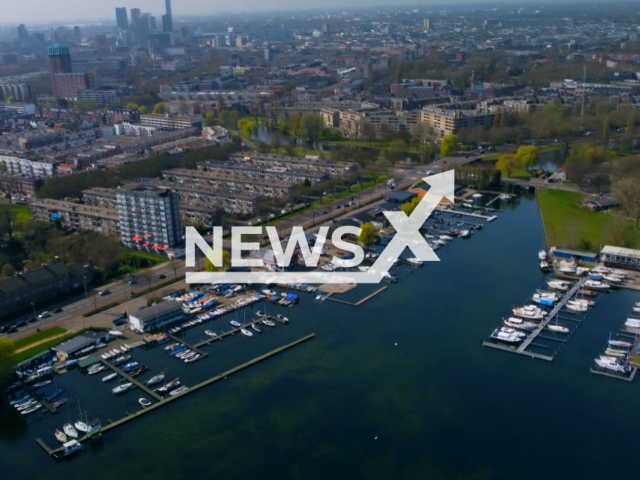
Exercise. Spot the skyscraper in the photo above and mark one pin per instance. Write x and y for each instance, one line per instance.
(121, 18)
(135, 17)
(23, 33)
(427, 24)
(59, 62)
(167, 19)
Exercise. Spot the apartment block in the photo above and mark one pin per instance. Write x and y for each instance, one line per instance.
(253, 171)
(76, 216)
(311, 164)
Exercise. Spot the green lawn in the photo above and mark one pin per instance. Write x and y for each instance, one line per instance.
(38, 337)
(30, 352)
(569, 225)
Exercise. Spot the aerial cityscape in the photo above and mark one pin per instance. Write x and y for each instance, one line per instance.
(300, 241)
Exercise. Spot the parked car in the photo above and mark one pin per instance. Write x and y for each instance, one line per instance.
(161, 276)
(21, 323)
(104, 292)
(13, 329)
(57, 310)
(4, 328)
(324, 213)
(32, 320)
(118, 321)
(44, 314)
(338, 207)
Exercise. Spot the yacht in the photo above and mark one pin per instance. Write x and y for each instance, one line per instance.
(246, 332)
(69, 448)
(576, 307)
(446, 238)
(529, 311)
(513, 331)
(60, 436)
(543, 299)
(268, 323)
(558, 328)
(414, 261)
(70, 430)
(81, 426)
(98, 369)
(519, 324)
(620, 343)
(31, 409)
(256, 328)
(155, 379)
(44, 383)
(235, 323)
(172, 384)
(211, 333)
(613, 366)
(544, 265)
(464, 234)
(122, 388)
(178, 391)
(558, 285)
(596, 285)
(505, 337)
(613, 278)
(636, 308)
(632, 322)
(583, 301)
(542, 255)
(614, 352)
(108, 378)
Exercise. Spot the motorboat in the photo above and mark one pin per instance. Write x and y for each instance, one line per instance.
(144, 403)
(529, 311)
(211, 333)
(31, 409)
(81, 426)
(178, 391)
(587, 292)
(558, 285)
(256, 328)
(155, 379)
(414, 261)
(269, 292)
(567, 269)
(60, 402)
(60, 436)
(246, 332)
(596, 285)
(636, 308)
(464, 234)
(93, 371)
(544, 265)
(268, 323)
(261, 314)
(576, 307)
(168, 386)
(519, 324)
(633, 322)
(446, 238)
(543, 299)
(122, 388)
(612, 366)
(542, 255)
(613, 279)
(41, 384)
(193, 359)
(69, 448)
(615, 352)
(235, 323)
(558, 328)
(70, 430)
(505, 337)
(620, 344)
(608, 358)
(108, 378)
(513, 331)
(583, 301)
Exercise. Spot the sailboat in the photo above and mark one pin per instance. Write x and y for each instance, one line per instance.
(246, 332)
(155, 379)
(60, 436)
(70, 430)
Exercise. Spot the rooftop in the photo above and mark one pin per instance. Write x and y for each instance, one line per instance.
(157, 309)
(79, 208)
(621, 251)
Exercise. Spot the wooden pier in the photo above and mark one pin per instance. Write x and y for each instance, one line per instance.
(189, 346)
(359, 302)
(469, 214)
(626, 378)
(129, 378)
(233, 331)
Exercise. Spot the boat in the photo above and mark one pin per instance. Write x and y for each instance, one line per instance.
(505, 337)
(414, 261)
(636, 309)
(567, 270)
(620, 343)
(576, 307)
(178, 391)
(60, 436)
(98, 369)
(235, 323)
(583, 301)
(261, 314)
(519, 324)
(20, 400)
(108, 378)
(155, 379)
(613, 366)
(529, 311)
(210, 333)
(256, 328)
(609, 359)
(513, 331)
(60, 402)
(246, 332)
(596, 285)
(69, 448)
(558, 285)
(41, 384)
(24, 406)
(613, 279)
(81, 426)
(542, 255)
(633, 322)
(614, 352)
(268, 323)
(544, 265)
(31, 409)
(193, 359)
(543, 299)
(172, 384)
(70, 430)
(558, 328)
(464, 234)
(144, 403)
(122, 388)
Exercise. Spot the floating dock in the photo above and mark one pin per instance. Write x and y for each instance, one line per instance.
(129, 378)
(626, 378)
(469, 214)
(359, 302)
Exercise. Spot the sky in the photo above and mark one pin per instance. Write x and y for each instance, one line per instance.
(67, 12)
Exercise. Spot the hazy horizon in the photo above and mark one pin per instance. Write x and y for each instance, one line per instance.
(41, 11)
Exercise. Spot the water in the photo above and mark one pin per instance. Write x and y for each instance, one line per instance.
(266, 135)
(439, 404)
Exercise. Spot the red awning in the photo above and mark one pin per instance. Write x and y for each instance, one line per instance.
(158, 247)
(145, 244)
(137, 238)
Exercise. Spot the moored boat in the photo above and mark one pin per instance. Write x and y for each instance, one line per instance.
(122, 388)
(246, 332)
(81, 426)
(178, 391)
(155, 379)
(596, 285)
(211, 333)
(70, 430)
(558, 285)
(144, 402)
(530, 312)
(505, 337)
(108, 378)
(620, 344)
(612, 366)
(60, 436)
(268, 323)
(519, 324)
(168, 386)
(558, 328)
(256, 328)
(542, 255)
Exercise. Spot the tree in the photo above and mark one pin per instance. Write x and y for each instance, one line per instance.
(627, 192)
(275, 142)
(449, 145)
(606, 130)
(87, 105)
(527, 156)
(396, 152)
(507, 163)
(143, 110)
(10, 98)
(160, 108)
(226, 263)
(367, 234)
(175, 266)
(409, 207)
(208, 120)
(7, 361)
(8, 270)
(132, 106)
(311, 125)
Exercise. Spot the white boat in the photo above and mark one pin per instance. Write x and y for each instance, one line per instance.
(93, 371)
(464, 234)
(513, 331)
(576, 307)
(155, 379)
(542, 255)
(41, 384)
(70, 430)
(108, 378)
(172, 384)
(567, 270)
(211, 333)
(178, 391)
(636, 308)
(60, 436)
(122, 388)
(414, 261)
(614, 352)
(620, 344)
(31, 409)
(505, 337)
(505, 196)
(81, 426)
(583, 301)
(613, 366)
(69, 448)
(530, 312)
(123, 348)
(558, 285)
(558, 328)
(116, 333)
(269, 292)
(596, 285)
(268, 323)
(632, 322)
(256, 328)
(446, 238)
(144, 403)
(246, 332)
(519, 324)
(540, 299)
(612, 278)
(544, 265)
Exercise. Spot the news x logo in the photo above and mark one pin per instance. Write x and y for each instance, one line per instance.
(407, 235)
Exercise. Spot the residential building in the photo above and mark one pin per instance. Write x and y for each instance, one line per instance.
(250, 170)
(310, 163)
(103, 98)
(76, 216)
(200, 214)
(22, 185)
(167, 121)
(25, 166)
(59, 62)
(149, 217)
(156, 316)
(452, 121)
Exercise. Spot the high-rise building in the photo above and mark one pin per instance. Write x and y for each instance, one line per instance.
(167, 19)
(59, 62)
(149, 217)
(121, 18)
(76, 32)
(23, 33)
(427, 24)
(135, 17)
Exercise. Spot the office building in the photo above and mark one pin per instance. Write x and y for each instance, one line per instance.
(135, 17)
(59, 62)
(156, 316)
(427, 24)
(122, 21)
(149, 217)
(23, 33)
(167, 18)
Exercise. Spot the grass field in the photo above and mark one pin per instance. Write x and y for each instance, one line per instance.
(569, 225)
(38, 337)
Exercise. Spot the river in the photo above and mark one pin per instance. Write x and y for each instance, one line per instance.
(399, 387)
